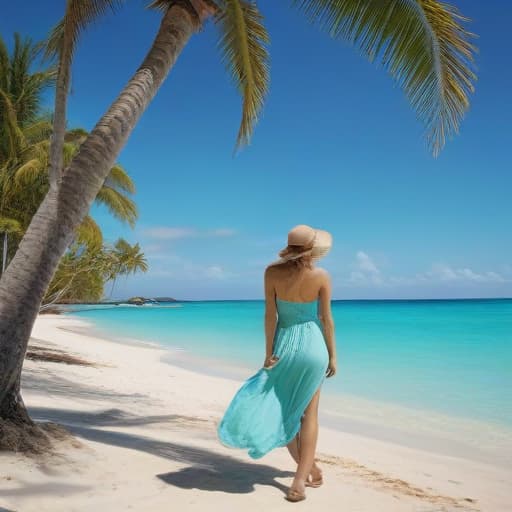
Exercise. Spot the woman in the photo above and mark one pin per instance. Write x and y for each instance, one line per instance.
(278, 405)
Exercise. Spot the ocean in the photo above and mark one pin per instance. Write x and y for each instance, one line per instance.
(452, 357)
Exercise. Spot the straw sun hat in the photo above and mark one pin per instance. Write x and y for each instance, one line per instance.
(315, 242)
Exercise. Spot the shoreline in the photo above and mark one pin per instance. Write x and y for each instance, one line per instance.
(428, 430)
(148, 439)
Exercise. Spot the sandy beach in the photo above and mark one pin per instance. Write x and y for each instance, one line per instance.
(144, 438)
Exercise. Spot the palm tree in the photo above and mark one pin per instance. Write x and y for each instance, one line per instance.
(21, 89)
(422, 43)
(23, 188)
(25, 150)
(83, 271)
(29, 184)
(129, 260)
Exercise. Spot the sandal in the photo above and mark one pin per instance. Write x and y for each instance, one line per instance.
(295, 496)
(314, 483)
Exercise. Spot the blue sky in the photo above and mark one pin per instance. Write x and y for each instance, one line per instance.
(337, 147)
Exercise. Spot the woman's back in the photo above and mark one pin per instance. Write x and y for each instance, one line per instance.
(297, 284)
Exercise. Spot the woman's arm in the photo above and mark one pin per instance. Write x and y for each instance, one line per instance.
(325, 316)
(270, 318)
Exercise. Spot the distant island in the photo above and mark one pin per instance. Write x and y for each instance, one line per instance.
(132, 300)
(139, 301)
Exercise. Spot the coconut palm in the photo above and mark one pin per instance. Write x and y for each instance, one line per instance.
(30, 179)
(23, 188)
(83, 271)
(21, 89)
(423, 44)
(25, 147)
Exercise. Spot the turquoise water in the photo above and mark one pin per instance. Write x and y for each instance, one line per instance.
(452, 357)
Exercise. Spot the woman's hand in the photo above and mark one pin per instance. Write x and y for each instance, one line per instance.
(270, 361)
(332, 367)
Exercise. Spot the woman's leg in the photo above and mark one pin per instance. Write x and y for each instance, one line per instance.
(293, 448)
(308, 439)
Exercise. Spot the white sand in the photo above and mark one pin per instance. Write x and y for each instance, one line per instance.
(146, 442)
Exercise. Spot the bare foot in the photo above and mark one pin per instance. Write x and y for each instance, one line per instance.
(315, 477)
(297, 491)
(316, 472)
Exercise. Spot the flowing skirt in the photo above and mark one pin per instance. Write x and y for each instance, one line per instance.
(266, 411)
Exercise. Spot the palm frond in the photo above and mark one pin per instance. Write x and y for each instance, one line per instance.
(4, 66)
(69, 150)
(8, 225)
(12, 132)
(89, 233)
(28, 173)
(242, 42)
(422, 43)
(118, 178)
(79, 14)
(38, 131)
(120, 206)
(28, 101)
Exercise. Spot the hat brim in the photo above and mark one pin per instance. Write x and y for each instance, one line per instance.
(322, 245)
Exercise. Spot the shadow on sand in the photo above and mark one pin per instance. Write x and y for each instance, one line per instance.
(206, 470)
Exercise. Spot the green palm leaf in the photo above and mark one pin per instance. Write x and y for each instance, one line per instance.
(8, 225)
(243, 40)
(27, 173)
(39, 130)
(119, 205)
(422, 43)
(4, 66)
(79, 14)
(89, 233)
(119, 178)
(12, 134)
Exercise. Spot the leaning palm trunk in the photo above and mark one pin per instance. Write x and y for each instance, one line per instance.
(23, 285)
(59, 125)
(4, 253)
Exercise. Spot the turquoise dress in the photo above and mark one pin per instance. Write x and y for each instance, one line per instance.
(266, 411)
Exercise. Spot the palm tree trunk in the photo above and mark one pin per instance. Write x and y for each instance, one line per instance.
(59, 119)
(4, 254)
(23, 285)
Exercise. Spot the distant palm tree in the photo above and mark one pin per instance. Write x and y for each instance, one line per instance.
(422, 43)
(29, 184)
(25, 147)
(23, 188)
(128, 260)
(21, 89)
(83, 271)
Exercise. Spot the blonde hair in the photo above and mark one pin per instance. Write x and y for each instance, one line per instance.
(304, 261)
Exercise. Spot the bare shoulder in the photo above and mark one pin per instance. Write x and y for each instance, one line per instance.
(270, 272)
(322, 274)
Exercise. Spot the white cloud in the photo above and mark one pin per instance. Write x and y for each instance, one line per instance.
(365, 263)
(176, 233)
(444, 272)
(366, 271)
(367, 274)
